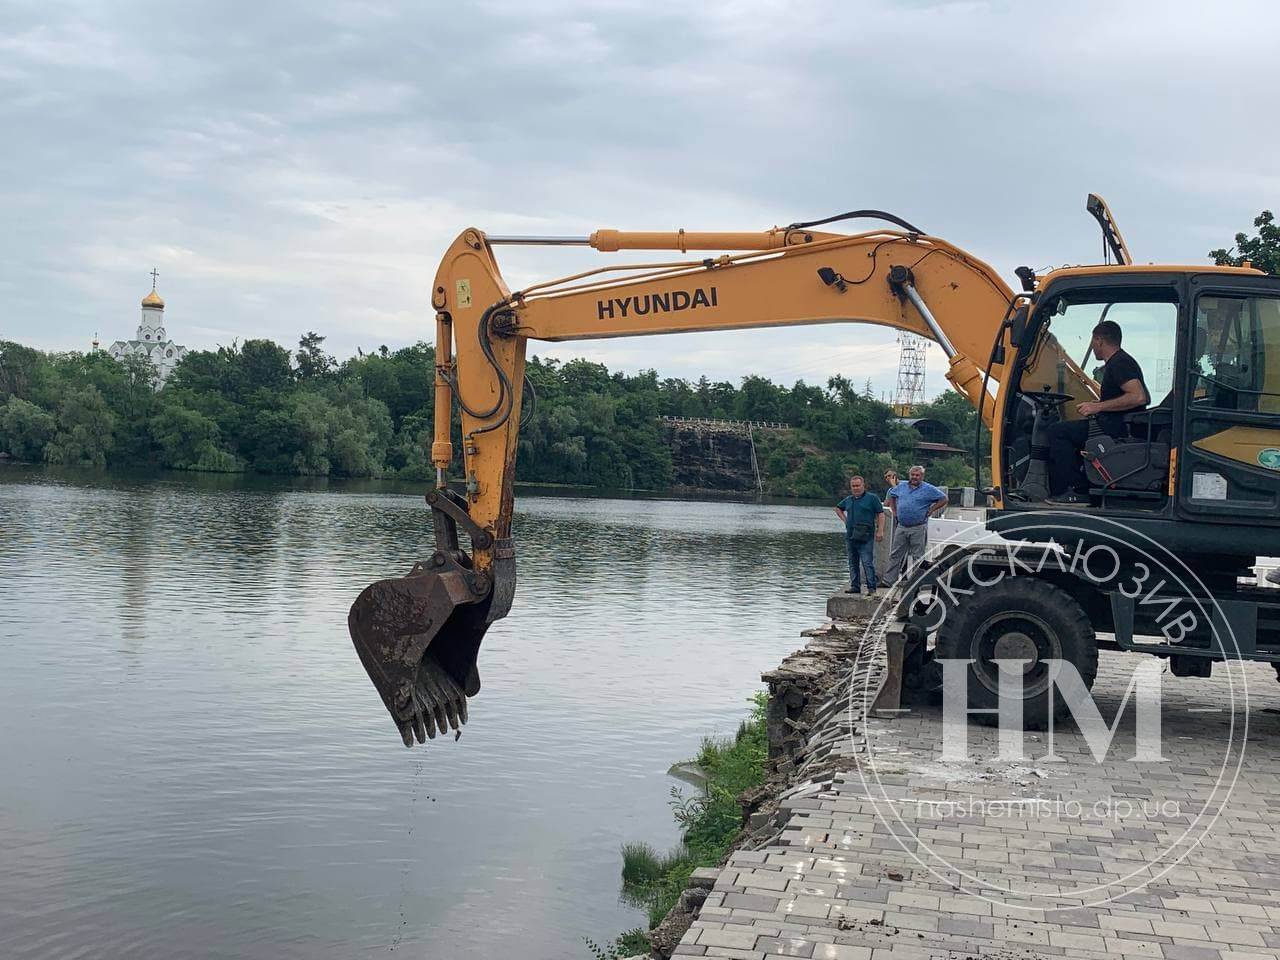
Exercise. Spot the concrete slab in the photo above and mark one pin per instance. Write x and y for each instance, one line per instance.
(852, 606)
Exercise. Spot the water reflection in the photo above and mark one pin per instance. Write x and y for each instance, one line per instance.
(199, 766)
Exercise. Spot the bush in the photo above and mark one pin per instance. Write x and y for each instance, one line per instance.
(710, 821)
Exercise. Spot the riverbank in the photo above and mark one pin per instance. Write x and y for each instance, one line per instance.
(391, 485)
(795, 737)
(870, 844)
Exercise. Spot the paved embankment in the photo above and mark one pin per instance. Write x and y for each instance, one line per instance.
(881, 848)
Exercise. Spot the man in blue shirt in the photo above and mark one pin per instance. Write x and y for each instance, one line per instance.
(913, 502)
(863, 517)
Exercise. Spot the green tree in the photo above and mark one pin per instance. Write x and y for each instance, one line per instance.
(18, 366)
(25, 429)
(263, 365)
(188, 440)
(403, 380)
(1262, 250)
(961, 420)
(85, 428)
(313, 362)
(820, 477)
(256, 405)
(950, 472)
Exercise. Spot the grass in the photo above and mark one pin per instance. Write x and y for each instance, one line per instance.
(629, 944)
(710, 822)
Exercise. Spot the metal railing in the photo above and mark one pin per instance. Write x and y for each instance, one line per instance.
(725, 424)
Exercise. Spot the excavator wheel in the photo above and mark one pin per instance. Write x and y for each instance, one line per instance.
(1019, 618)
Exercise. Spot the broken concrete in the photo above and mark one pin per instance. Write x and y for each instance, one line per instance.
(805, 736)
(844, 861)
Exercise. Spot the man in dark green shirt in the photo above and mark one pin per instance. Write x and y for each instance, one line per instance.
(863, 517)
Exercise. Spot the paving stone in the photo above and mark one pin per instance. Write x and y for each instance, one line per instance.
(1182, 951)
(734, 936)
(890, 868)
(785, 946)
(840, 951)
(750, 901)
(1116, 947)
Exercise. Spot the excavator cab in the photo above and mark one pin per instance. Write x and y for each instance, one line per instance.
(1207, 445)
(1126, 455)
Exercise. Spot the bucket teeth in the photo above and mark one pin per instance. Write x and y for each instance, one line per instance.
(438, 704)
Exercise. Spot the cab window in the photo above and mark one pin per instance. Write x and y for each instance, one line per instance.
(1235, 361)
(1148, 320)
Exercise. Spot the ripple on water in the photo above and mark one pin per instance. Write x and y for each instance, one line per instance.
(198, 765)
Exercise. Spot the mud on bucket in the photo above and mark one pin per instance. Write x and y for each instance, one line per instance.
(418, 637)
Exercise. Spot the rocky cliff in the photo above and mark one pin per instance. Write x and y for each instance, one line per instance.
(710, 458)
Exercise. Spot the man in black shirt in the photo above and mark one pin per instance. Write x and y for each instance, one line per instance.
(1123, 390)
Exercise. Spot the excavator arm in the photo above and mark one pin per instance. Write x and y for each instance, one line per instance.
(418, 635)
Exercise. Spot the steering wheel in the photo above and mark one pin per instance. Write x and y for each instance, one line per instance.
(1046, 399)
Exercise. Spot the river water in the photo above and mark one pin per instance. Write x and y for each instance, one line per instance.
(193, 762)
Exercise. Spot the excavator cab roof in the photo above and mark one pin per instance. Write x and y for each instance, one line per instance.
(1128, 270)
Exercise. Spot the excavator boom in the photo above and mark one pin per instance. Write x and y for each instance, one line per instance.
(418, 635)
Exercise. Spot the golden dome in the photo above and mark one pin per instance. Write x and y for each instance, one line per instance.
(152, 299)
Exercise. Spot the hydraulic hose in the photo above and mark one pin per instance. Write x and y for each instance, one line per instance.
(859, 215)
(504, 385)
(505, 393)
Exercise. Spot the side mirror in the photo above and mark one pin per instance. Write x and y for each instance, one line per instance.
(1018, 326)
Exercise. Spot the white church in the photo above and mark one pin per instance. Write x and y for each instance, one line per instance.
(151, 341)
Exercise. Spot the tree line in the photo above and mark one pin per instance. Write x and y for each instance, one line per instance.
(257, 406)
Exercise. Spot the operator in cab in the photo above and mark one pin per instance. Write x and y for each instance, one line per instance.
(1123, 390)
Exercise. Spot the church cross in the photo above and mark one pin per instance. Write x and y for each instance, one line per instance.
(154, 273)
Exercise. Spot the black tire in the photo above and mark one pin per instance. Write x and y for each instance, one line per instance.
(1023, 611)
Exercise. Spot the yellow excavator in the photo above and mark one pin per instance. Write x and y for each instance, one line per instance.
(1198, 474)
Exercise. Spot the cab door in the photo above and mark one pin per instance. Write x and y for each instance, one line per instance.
(1228, 460)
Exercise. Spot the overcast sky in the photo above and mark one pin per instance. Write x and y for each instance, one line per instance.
(302, 166)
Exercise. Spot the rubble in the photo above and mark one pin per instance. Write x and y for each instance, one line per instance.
(808, 742)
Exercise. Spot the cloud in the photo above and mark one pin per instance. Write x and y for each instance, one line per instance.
(293, 166)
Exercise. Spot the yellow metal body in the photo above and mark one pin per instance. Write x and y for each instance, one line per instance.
(765, 279)
(775, 282)
(1247, 445)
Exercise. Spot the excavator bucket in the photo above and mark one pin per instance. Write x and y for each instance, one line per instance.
(418, 636)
